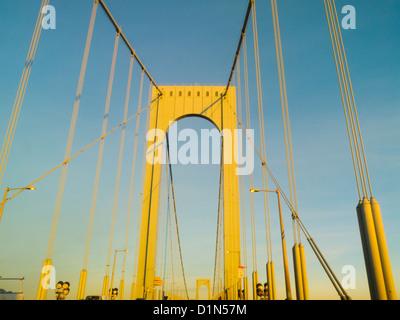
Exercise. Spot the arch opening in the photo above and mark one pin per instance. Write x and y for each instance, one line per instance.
(165, 110)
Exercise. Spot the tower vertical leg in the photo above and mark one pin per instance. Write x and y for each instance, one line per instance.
(82, 285)
(383, 250)
(121, 290)
(373, 251)
(303, 271)
(246, 288)
(297, 272)
(255, 281)
(105, 285)
(133, 295)
(44, 280)
(361, 225)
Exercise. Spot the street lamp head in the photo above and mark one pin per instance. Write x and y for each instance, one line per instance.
(30, 188)
(255, 190)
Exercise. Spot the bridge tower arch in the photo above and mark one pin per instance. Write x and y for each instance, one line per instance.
(175, 103)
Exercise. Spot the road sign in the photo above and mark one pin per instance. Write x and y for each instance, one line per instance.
(157, 282)
(241, 272)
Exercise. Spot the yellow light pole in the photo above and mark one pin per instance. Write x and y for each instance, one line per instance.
(3, 203)
(284, 253)
(112, 275)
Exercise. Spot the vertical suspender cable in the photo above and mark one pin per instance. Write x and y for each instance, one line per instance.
(284, 117)
(359, 207)
(133, 292)
(132, 182)
(289, 149)
(221, 197)
(164, 268)
(41, 291)
(252, 213)
(354, 103)
(261, 121)
(118, 170)
(270, 266)
(121, 287)
(176, 218)
(5, 151)
(348, 102)
(374, 244)
(342, 96)
(242, 192)
(218, 235)
(82, 281)
(342, 293)
(101, 148)
(163, 241)
(172, 284)
(369, 242)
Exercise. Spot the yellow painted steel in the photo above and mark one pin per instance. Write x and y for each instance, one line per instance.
(121, 290)
(105, 285)
(373, 250)
(361, 226)
(255, 281)
(133, 292)
(284, 251)
(82, 285)
(42, 288)
(297, 272)
(273, 283)
(383, 250)
(203, 282)
(246, 288)
(270, 281)
(239, 289)
(303, 271)
(175, 103)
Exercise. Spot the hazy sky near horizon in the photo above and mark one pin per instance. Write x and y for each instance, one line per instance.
(193, 42)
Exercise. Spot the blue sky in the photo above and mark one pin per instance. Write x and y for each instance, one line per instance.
(187, 42)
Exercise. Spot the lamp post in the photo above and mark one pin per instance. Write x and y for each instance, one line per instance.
(5, 197)
(284, 253)
(62, 290)
(112, 276)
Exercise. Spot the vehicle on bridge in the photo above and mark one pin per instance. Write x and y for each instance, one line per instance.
(96, 297)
